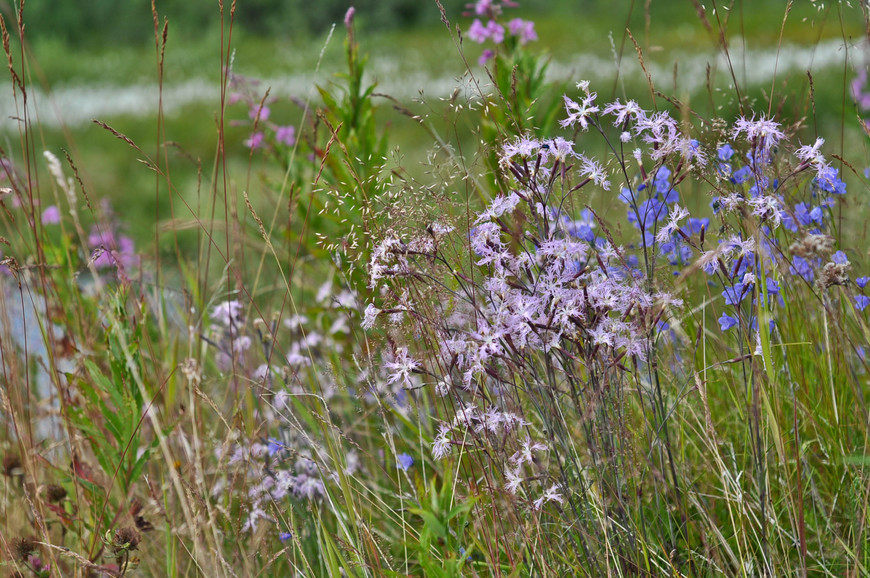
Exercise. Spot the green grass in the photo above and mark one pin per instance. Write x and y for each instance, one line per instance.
(726, 452)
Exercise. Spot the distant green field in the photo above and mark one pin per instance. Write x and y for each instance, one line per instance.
(584, 41)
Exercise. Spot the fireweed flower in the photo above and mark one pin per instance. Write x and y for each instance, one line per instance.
(255, 141)
(111, 249)
(482, 7)
(51, 215)
(495, 31)
(286, 135)
(259, 113)
(523, 29)
(859, 83)
(478, 32)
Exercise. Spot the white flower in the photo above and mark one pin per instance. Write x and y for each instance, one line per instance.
(594, 171)
(810, 153)
(227, 313)
(402, 367)
(369, 316)
(525, 454)
(765, 133)
(551, 495)
(441, 445)
(579, 112)
(499, 206)
(514, 479)
(677, 214)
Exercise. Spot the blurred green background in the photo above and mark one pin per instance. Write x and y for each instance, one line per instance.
(97, 59)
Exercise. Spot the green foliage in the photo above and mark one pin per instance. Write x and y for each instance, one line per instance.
(349, 153)
(443, 548)
(111, 416)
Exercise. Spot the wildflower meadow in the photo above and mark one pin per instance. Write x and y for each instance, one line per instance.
(591, 315)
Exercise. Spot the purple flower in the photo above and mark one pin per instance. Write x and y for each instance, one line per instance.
(274, 446)
(478, 32)
(112, 250)
(725, 152)
(51, 215)
(802, 267)
(862, 98)
(734, 295)
(485, 57)
(840, 258)
(741, 174)
(284, 536)
(405, 461)
(772, 286)
(828, 179)
(259, 113)
(255, 141)
(286, 135)
(495, 31)
(694, 226)
(524, 29)
(726, 322)
(482, 7)
(862, 281)
(861, 302)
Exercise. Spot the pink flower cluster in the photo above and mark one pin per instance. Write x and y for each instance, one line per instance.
(263, 131)
(490, 10)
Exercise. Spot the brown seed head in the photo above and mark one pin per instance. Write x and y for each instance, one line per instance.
(55, 493)
(126, 538)
(23, 547)
(11, 465)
